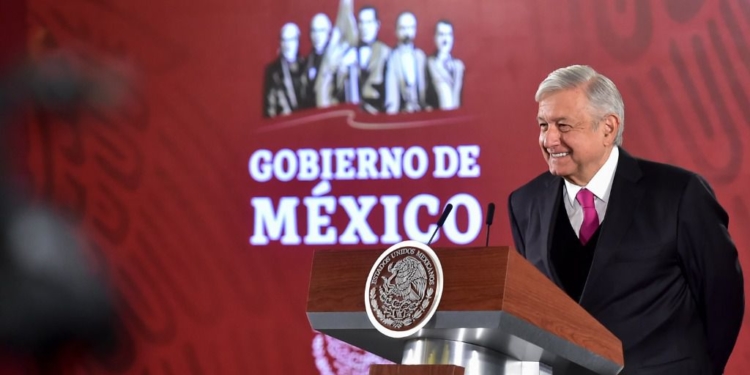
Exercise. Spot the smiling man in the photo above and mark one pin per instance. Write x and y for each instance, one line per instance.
(644, 247)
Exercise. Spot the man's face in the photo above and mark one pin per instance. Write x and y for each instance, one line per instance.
(406, 28)
(289, 42)
(570, 144)
(444, 37)
(368, 26)
(320, 28)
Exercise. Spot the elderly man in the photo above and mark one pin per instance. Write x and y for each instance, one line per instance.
(284, 77)
(643, 247)
(445, 74)
(405, 73)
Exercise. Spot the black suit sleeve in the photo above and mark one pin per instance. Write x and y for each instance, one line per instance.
(712, 268)
(268, 91)
(517, 238)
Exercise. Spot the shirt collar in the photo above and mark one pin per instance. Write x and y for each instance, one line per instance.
(601, 183)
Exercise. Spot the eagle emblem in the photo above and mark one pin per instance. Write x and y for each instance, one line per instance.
(407, 282)
(402, 288)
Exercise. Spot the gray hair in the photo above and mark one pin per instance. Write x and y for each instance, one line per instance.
(600, 91)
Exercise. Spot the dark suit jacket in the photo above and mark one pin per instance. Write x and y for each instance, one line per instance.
(309, 78)
(665, 277)
(283, 88)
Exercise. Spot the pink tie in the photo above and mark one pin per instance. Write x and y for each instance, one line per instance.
(590, 217)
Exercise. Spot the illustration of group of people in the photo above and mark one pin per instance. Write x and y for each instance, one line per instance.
(348, 64)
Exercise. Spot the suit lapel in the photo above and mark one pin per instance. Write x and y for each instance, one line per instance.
(421, 60)
(458, 80)
(548, 213)
(375, 57)
(624, 197)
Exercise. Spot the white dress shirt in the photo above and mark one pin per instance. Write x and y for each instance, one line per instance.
(408, 63)
(600, 185)
(365, 52)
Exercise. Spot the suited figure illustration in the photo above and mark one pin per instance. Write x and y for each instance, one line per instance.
(284, 77)
(405, 84)
(644, 247)
(445, 74)
(320, 30)
(363, 78)
(353, 68)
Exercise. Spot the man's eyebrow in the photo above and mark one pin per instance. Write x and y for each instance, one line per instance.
(558, 119)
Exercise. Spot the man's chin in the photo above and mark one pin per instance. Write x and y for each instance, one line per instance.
(556, 170)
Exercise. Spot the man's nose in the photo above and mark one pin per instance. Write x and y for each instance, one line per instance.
(551, 136)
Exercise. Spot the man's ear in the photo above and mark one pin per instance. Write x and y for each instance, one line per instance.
(611, 126)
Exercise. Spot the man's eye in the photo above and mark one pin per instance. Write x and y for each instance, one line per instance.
(564, 127)
(543, 125)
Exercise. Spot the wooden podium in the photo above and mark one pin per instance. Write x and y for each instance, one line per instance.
(498, 315)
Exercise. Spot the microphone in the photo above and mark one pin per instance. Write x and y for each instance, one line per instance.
(488, 221)
(440, 222)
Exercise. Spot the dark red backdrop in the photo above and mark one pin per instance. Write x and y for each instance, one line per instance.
(161, 184)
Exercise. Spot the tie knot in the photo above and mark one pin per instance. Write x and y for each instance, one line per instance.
(586, 198)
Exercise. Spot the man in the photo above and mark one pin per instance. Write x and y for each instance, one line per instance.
(371, 55)
(283, 86)
(320, 30)
(445, 74)
(356, 71)
(405, 72)
(642, 246)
